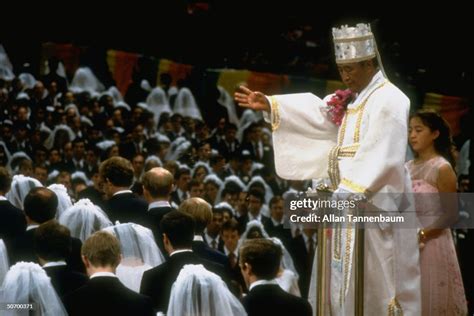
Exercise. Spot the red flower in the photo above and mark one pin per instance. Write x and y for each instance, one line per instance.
(338, 105)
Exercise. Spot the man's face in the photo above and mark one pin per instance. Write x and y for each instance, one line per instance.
(68, 152)
(183, 181)
(214, 227)
(277, 210)
(138, 163)
(254, 205)
(197, 190)
(230, 134)
(41, 174)
(79, 149)
(230, 238)
(204, 152)
(356, 76)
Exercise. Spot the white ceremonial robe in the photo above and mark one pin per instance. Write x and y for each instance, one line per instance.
(373, 140)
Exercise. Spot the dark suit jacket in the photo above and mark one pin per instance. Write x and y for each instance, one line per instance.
(23, 250)
(228, 150)
(12, 223)
(176, 198)
(106, 296)
(303, 263)
(270, 299)
(157, 282)
(126, 207)
(153, 219)
(64, 279)
(202, 250)
(278, 231)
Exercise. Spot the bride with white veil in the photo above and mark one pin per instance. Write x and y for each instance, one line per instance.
(198, 292)
(3, 261)
(287, 277)
(139, 253)
(27, 283)
(84, 218)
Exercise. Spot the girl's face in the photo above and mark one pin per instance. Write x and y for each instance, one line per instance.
(420, 136)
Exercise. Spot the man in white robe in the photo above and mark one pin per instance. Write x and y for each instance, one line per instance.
(364, 156)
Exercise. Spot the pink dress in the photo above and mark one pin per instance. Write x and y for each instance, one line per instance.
(441, 282)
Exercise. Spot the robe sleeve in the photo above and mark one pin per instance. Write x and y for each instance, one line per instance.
(302, 136)
(380, 159)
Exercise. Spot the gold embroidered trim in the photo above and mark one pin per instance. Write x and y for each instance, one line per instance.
(353, 186)
(333, 166)
(394, 308)
(348, 151)
(342, 131)
(275, 113)
(347, 255)
(337, 241)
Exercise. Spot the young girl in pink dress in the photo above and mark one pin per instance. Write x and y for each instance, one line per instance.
(432, 172)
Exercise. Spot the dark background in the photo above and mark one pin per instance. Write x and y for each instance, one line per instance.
(427, 47)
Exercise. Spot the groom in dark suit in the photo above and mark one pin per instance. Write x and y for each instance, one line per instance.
(259, 263)
(104, 294)
(52, 244)
(178, 232)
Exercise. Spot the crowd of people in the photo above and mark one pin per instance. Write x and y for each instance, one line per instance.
(151, 203)
(88, 181)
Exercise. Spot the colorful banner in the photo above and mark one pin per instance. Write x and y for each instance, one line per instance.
(177, 71)
(451, 109)
(121, 65)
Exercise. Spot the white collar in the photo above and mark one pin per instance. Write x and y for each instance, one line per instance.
(54, 264)
(2, 198)
(227, 252)
(103, 274)
(277, 223)
(122, 192)
(209, 239)
(30, 227)
(262, 282)
(258, 218)
(306, 238)
(180, 251)
(159, 204)
(198, 238)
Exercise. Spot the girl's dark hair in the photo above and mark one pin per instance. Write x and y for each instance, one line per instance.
(443, 144)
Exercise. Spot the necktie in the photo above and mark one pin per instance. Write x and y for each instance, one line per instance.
(213, 244)
(232, 260)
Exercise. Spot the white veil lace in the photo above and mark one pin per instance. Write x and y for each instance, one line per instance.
(6, 68)
(28, 283)
(186, 105)
(84, 218)
(20, 187)
(4, 265)
(286, 260)
(218, 182)
(49, 142)
(64, 200)
(14, 160)
(139, 253)
(228, 102)
(158, 103)
(85, 80)
(177, 148)
(198, 292)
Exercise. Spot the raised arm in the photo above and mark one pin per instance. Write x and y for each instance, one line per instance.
(252, 99)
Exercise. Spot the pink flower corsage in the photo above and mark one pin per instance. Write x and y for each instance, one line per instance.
(337, 105)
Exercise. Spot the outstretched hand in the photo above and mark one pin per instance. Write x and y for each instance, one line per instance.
(252, 99)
